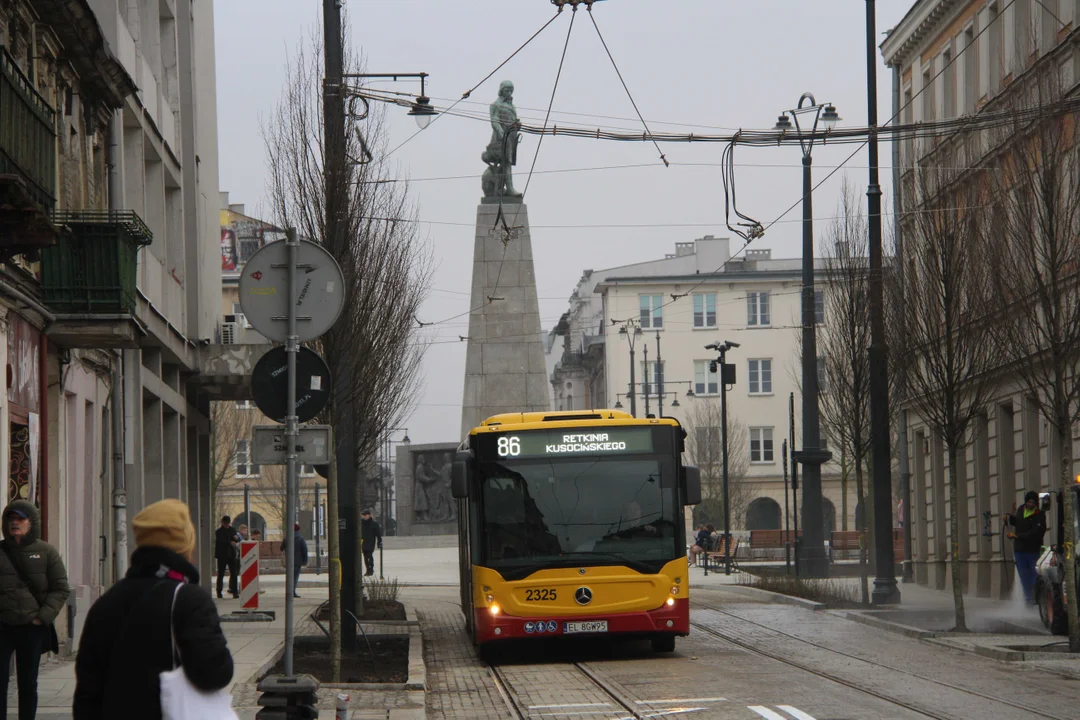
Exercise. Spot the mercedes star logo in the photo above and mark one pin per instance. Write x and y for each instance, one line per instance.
(583, 595)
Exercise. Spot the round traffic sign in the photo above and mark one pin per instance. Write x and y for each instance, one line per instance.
(269, 384)
(319, 296)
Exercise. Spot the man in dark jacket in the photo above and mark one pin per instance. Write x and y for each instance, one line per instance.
(33, 589)
(126, 642)
(1029, 526)
(371, 535)
(300, 558)
(227, 554)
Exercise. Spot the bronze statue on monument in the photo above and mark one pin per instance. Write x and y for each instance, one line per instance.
(501, 151)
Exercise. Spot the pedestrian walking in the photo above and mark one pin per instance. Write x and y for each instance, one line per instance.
(1029, 526)
(371, 535)
(33, 590)
(152, 620)
(300, 556)
(227, 554)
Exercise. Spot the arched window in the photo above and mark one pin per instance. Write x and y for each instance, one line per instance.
(763, 514)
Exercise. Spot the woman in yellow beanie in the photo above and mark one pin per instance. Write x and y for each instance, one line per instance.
(126, 642)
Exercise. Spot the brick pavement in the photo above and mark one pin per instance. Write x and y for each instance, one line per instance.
(459, 684)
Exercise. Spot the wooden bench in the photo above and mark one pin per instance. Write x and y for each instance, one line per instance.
(770, 543)
(717, 556)
(848, 542)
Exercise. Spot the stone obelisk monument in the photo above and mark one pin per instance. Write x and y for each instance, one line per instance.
(504, 366)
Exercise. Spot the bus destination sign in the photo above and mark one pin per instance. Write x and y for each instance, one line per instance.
(573, 442)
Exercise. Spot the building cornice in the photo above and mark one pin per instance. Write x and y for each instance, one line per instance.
(920, 22)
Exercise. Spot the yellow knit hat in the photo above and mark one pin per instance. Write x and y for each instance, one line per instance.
(166, 524)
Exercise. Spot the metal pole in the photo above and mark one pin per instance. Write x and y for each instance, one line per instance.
(787, 509)
(659, 379)
(885, 588)
(319, 521)
(119, 491)
(724, 451)
(247, 509)
(292, 346)
(645, 380)
(794, 478)
(633, 389)
(813, 544)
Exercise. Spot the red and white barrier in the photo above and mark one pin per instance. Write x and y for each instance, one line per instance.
(249, 574)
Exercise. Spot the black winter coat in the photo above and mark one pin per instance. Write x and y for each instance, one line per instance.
(224, 537)
(370, 533)
(125, 642)
(1029, 530)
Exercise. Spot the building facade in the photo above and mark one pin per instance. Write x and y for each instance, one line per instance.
(950, 59)
(110, 277)
(671, 309)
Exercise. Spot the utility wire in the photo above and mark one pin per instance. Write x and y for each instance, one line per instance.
(486, 78)
(619, 73)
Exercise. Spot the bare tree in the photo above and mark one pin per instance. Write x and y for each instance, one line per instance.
(1037, 276)
(844, 361)
(705, 449)
(373, 351)
(945, 285)
(229, 425)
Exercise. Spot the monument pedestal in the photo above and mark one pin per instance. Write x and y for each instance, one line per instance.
(504, 366)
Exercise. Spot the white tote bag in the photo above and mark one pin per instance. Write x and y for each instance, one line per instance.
(180, 700)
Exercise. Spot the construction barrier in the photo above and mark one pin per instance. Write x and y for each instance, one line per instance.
(249, 574)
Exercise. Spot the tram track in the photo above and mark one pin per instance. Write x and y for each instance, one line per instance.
(806, 667)
(620, 705)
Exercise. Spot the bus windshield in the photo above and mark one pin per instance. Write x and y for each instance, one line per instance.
(577, 512)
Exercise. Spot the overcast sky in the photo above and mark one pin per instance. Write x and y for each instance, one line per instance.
(704, 66)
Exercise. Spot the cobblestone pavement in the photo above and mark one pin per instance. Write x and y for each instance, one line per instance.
(711, 677)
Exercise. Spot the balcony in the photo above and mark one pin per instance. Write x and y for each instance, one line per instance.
(27, 163)
(89, 277)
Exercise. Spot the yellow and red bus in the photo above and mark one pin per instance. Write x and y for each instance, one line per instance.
(571, 523)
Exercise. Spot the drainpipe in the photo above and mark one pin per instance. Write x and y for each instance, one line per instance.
(112, 158)
(119, 490)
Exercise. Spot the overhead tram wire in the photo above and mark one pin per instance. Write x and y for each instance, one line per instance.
(621, 80)
(487, 77)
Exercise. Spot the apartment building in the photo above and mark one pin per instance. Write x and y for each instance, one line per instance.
(953, 59)
(109, 290)
(682, 302)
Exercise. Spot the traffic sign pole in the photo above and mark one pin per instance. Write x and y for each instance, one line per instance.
(292, 345)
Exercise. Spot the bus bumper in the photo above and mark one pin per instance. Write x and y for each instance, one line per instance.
(667, 620)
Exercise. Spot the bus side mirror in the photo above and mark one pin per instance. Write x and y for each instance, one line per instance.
(691, 482)
(459, 479)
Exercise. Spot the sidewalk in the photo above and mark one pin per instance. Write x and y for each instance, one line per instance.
(256, 646)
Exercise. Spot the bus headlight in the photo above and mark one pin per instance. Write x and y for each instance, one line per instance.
(494, 610)
(674, 589)
(670, 601)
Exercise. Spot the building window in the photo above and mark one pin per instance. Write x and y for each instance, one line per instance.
(819, 307)
(820, 373)
(761, 445)
(706, 382)
(242, 458)
(307, 471)
(708, 451)
(650, 377)
(757, 309)
(651, 310)
(760, 377)
(704, 310)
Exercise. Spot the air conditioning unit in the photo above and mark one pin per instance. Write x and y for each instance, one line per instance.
(230, 333)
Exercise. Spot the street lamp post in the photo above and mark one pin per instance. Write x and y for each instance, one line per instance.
(885, 589)
(659, 379)
(812, 456)
(631, 336)
(727, 377)
(645, 380)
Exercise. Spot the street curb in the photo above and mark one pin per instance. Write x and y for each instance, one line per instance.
(890, 626)
(271, 661)
(773, 597)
